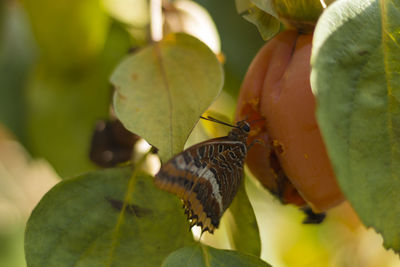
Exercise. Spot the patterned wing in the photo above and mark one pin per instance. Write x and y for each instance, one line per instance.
(206, 177)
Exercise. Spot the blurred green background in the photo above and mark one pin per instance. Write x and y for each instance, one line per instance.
(55, 61)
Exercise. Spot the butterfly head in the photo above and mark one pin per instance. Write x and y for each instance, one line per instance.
(240, 131)
(243, 126)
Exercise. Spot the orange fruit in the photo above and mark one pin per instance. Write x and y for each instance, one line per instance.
(293, 162)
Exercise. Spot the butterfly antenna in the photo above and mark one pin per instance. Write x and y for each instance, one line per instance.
(217, 121)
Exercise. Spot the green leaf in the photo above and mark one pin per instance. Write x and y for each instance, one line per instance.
(266, 23)
(69, 33)
(355, 77)
(63, 108)
(201, 255)
(163, 89)
(267, 6)
(105, 218)
(242, 224)
(2, 16)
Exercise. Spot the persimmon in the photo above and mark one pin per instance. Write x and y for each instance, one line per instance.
(276, 95)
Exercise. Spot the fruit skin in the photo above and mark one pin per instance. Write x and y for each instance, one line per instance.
(277, 88)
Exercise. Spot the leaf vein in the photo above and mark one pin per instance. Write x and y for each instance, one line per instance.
(127, 200)
(205, 254)
(168, 90)
(384, 37)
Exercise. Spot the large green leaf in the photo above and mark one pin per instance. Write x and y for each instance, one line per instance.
(355, 77)
(63, 107)
(163, 89)
(242, 224)
(70, 33)
(201, 255)
(105, 218)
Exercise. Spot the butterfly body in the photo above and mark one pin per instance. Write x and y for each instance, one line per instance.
(207, 176)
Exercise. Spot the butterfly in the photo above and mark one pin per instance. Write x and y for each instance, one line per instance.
(207, 175)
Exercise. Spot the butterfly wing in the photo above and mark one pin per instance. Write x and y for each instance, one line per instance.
(206, 177)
